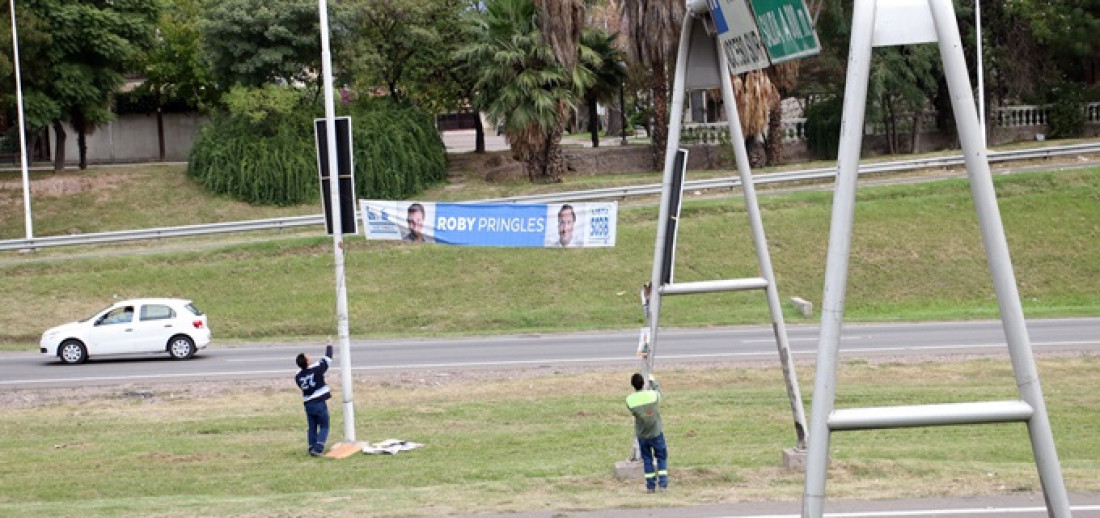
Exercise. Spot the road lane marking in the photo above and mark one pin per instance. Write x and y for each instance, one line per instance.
(615, 359)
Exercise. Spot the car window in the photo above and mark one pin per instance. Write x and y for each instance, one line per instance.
(94, 315)
(192, 308)
(120, 315)
(156, 312)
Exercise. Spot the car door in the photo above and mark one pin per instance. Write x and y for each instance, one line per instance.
(155, 324)
(112, 332)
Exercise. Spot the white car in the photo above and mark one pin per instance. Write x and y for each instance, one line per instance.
(136, 326)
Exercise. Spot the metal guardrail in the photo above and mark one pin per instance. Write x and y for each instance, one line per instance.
(594, 194)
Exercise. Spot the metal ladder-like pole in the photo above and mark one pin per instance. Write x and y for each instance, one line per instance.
(1030, 408)
(766, 281)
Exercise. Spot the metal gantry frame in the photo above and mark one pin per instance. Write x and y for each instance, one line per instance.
(699, 46)
(901, 22)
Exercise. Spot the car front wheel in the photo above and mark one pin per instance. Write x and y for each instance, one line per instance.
(72, 352)
(181, 347)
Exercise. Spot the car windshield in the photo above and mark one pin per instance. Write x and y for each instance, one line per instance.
(192, 308)
(96, 314)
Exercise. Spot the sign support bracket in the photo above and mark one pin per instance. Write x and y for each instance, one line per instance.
(903, 22)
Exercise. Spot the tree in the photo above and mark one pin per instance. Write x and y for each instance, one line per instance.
(81, 65)
(255, 42)
(652, 30)
(561, 23)
(903, 83)
(174, 70)
(756, 97)
(607, 63)
(34, 39)
(403, 45)
(521, 83)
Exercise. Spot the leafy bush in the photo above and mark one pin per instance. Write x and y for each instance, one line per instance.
(262, 149)
(398, 152)
(823, 126)
(1067, 112)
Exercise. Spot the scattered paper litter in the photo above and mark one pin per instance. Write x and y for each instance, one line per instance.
(390, 447)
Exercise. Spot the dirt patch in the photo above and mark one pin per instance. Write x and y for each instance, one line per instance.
(157, 456)
(56, 186)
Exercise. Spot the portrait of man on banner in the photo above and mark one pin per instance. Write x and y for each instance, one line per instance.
(565, 227)
(416, 217)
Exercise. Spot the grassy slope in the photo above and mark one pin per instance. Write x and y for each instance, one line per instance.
(916, 255)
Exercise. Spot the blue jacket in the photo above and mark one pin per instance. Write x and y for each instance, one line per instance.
(312, 379)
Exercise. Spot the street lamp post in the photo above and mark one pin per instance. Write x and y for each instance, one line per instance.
(337, 227)
(981, 70)
(22, 128)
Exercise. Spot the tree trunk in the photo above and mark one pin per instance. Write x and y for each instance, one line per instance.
(659, 132)
(773, 146)
(479, 134)
(59, 147)
(914, 141)
(554, 159)
(614, 121)
(593, 122)
(82, 147)
(757, 155)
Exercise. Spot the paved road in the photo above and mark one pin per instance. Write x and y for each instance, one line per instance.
(753, 343)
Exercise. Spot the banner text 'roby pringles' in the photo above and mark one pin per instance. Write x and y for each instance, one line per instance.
(492, 224)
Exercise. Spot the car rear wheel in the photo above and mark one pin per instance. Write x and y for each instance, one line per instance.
(181, 347)
(72, 352)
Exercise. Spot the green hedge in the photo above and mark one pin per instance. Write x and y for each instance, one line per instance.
(823, 126)
(398, 153)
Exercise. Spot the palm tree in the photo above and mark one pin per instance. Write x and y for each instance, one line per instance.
(522, 84)
(652, 30)
(599, 54)
(756, 97)
(561, 23)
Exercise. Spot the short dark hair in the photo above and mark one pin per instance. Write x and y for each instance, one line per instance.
(416, 207)
(302, 361)
(637, 380)
(568, 207)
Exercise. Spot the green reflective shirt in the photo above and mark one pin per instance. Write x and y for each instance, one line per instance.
(647, 415)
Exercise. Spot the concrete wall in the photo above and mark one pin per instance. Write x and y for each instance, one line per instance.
(133, 138)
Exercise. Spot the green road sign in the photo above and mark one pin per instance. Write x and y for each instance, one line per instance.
(787, 29)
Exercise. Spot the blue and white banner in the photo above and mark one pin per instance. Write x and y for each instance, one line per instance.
(492, 224)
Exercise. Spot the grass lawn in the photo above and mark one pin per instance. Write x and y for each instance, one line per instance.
(518, 441)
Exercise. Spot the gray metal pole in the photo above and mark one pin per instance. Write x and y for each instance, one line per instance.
(337, 230)
(836, 266)
(1000, 264)
(675, 119)
(29, 220)
(981, 68)
(763, 256)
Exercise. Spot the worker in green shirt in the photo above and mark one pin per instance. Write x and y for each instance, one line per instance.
(644, 404)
